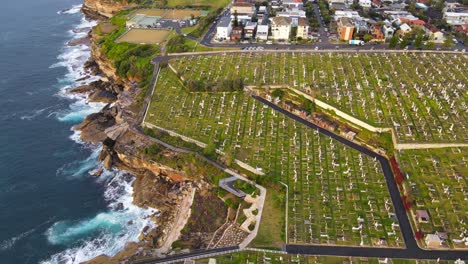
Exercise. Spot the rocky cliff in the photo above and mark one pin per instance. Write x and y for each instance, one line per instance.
(105, 8)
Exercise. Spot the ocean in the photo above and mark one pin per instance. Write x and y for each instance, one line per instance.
(52, 209)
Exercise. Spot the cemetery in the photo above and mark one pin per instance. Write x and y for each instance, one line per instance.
(437, 184)
(421, 96)
(263, 257)
(336, 194)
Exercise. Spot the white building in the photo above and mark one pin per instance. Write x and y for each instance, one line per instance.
(302, 28)
(223, 29)
(404, 29)
(281, 28)
(388, 31)
(365, 3)
(456, 18)
(293, 14)
(346, 2)
(349, 14)
(297, 4)
(262, 32)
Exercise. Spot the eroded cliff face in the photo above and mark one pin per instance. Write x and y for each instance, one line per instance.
(106, 8)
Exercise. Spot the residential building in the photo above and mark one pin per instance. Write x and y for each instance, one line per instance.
(338, 6)
(346, 13)
(377, 34)
(365, 3)
(433, 241)
(302, 28)
(462, 28)
(242, 8)
(294, 15)
(376, 3)
(397, 16)
(262, 32)
(236, 33)
(422, 216)
(361, 27)
(456, 18)
(262, 10)
(281, 27)
(223, 29)
(346, 2)
(404, 29)
(250, 29)
(434, 34)
(345, 28)
(388, 31)
(296, 4)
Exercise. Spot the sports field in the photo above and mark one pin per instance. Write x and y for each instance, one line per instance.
(144, 36)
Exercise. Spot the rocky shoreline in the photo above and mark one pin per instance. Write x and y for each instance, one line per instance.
(156, 185)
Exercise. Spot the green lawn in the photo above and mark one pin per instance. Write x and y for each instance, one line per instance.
(271, 233)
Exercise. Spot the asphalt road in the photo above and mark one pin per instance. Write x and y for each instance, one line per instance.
(181, 257)
(206, 40)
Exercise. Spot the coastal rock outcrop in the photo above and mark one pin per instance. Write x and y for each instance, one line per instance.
(105, 8)
(94, 126)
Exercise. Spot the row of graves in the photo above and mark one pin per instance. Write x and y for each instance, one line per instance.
(422, 96)
(336, 194)
(437, 185)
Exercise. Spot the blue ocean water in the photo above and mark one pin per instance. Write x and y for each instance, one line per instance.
(51, 209)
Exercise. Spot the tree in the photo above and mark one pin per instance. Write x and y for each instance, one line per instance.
(235, 23)
(449, 42)
(393, 41)
(278, 93)
(404, 42)
(367, 37)
(430, 45)
(418, 41)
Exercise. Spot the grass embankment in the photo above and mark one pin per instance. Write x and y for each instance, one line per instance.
(212, 4)
(271, 233)
(131, 61)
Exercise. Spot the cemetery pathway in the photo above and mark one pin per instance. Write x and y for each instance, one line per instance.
(412, 250)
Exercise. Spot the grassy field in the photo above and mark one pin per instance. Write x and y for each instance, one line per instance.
(211, 3)
(271, 233)
(422, 96)
(144, 36)
(260, 258)
(438, 182)
(336, 195)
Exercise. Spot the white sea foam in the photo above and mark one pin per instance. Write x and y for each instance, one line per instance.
(107, 232)
(73, 10)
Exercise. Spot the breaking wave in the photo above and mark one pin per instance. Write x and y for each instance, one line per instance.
(107, 232)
